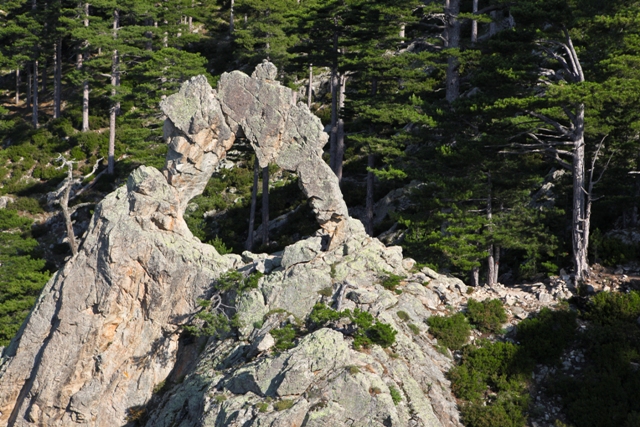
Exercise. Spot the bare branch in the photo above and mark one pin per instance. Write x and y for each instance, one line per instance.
(560, 128)
(573, 54)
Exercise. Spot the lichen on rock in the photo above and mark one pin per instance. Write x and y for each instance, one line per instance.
(108, 329)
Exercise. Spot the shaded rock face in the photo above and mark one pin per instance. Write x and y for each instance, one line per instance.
(106, 329)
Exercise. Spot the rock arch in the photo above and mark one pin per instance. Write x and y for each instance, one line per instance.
(202, 124)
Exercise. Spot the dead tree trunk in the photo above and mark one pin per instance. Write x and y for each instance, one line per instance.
(62, 197)
(265, 206)
(474, 24)
(254, 199)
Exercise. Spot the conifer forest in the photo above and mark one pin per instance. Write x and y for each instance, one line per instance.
(496, 141)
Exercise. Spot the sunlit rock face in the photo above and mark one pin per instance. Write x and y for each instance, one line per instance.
(106, 329)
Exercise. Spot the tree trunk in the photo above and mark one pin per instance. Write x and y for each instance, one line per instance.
(64, 204)
(231, 18)
(115, 105)
(452, 9)
(490, 259)
(310, 89)
(580, 232)
(496, 260)
(340, 130)
(334, 105)
(112, 115)
(401, 34)
(474, 24)
(265, 205)
(371, 159)
(254, 199)
(17, 86)
(29, 83)
(85, 83)
(34, 117)
(57, 80)
(45, 80)
(475, 276)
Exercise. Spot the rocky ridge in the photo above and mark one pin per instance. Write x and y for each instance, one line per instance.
(107, 331)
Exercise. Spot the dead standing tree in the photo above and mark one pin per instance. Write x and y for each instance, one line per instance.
(563, 140)
(62, 195)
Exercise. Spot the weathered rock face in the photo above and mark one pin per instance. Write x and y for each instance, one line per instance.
(323, 380)
(106, 330)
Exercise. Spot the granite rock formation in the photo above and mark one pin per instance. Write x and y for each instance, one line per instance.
(107, 331)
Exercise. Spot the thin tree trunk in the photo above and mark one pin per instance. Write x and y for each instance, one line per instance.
(490, 259)
(496, 269)
(580, 232)
(64, 204)
(254, 199)
(371, 161)
(474, 24)
(115, 106)
(29, 83)
(401, 34)
(45, 80)
(310, 89)
(57, 80)
(17, 86)
(231, 18)
(334, 106)
(34, 117)
(452, 9)
(475, 276)
(85, 83)
(265, 205)
(340, 130)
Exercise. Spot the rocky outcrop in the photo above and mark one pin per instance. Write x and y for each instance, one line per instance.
(105, 334)
(105, 329)
(323, 380)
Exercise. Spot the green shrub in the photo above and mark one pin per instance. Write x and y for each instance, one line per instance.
(321, 315)
(220, 247)
(77, 154)
(451, 331)
(367, 331)
(26, 204)
(499, 366)
(326, 292)
(284, 337)
(263, 407)
(391, 282)
(414, 328)
(507, 411)
(546, 336)
(380, 333)
(353, 370)
(488, 315)
(609, 308)
(403, 315)
(284, 404)
(395, 395)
